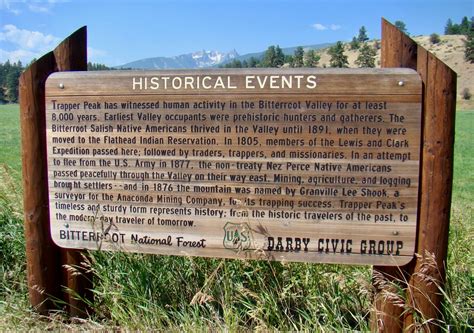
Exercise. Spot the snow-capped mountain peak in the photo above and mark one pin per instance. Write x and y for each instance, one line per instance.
(198, 59)
(211, 58)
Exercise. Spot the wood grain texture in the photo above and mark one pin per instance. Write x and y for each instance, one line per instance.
(119, 83)
(71, 55)
(398, 50)
(427, 272)
(436, 188)
(44, 259)
(222, 162)
(42, 255)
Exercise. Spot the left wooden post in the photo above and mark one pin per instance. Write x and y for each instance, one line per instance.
(47, 274)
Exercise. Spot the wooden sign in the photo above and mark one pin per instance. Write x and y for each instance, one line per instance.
(298, 165)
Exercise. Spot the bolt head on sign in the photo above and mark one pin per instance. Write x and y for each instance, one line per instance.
(309, 165)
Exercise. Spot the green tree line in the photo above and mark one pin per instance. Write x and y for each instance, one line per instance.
(463, 28)
(97, 67)
(274, 57)
(9, 75)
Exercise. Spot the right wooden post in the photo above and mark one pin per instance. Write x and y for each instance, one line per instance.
(426, 274)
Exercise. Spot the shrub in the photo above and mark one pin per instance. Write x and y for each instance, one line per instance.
(466, 94)
(434, 38)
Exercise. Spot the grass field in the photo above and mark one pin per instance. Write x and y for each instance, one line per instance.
(10, 152)
(143, 292)
(463, 180)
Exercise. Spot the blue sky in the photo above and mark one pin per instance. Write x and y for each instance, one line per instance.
(123, 31)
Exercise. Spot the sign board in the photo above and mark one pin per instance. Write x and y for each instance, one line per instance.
(311, 165)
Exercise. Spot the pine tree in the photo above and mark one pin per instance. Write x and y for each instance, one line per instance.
(458, 29)
(469, 43)
(338, 58)
(2, 96)
(355, 43)
(3, 74)
(279, 57)
(366, 56)
(448, 29)
(298, 57)
(401, 26)
(3, 83)
(12, 84)
(311, 59)
(253, 62)
(362, 35)
(269, 57)
(465, 26)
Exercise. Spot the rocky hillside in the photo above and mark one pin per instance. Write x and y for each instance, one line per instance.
(450, 50)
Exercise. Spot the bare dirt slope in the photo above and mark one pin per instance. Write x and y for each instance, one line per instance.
(450, 50)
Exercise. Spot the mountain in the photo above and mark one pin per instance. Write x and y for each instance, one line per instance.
(204, 59)
(199, 59)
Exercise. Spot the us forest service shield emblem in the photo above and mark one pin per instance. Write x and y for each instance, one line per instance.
(237, 236)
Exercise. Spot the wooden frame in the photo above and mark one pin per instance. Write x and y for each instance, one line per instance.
(45, 260)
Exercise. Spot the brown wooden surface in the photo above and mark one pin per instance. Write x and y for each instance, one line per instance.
(42, 255)
(436, 188)
(439, 84)
(44, 259)
(347, 81)
(397, 50)
(71, 55)
(90, 88)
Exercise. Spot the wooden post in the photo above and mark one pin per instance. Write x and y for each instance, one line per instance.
(436, 187)
(70, 55)
(439, 106)
(397, 50)
(45, 260)
(42, 255)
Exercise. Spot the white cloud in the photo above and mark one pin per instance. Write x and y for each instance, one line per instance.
(319, 26)
(36, 6)
(322, 27)
(20, 44)
(24, 55)
(7, 5)
(27, 39)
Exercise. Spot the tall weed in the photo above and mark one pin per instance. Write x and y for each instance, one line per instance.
(12, 260)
